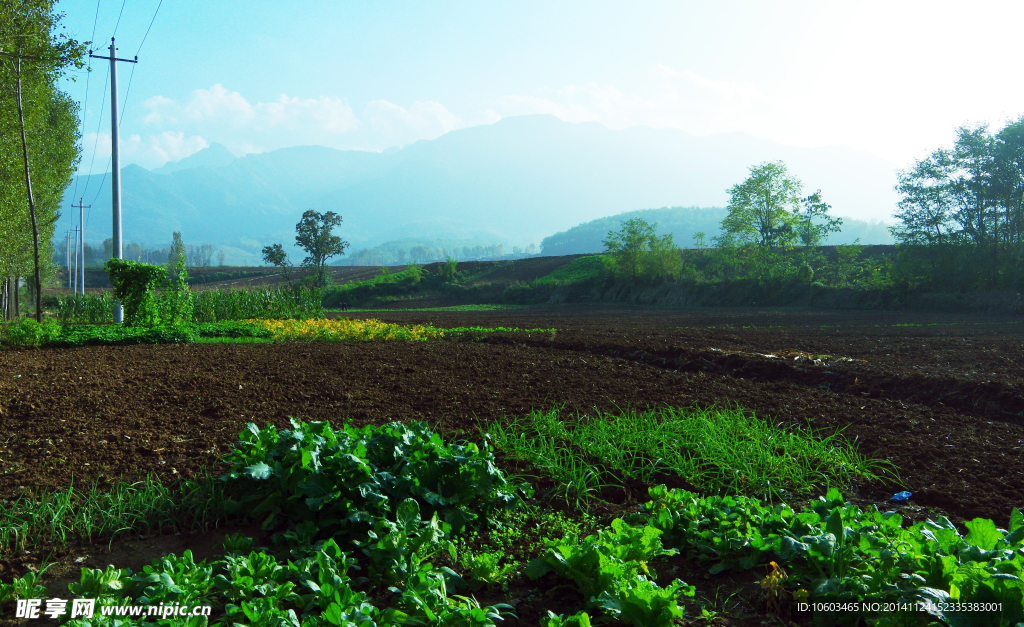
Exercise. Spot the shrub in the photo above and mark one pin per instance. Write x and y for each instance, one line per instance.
(134, 283)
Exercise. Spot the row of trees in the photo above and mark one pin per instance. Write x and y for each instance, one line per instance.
(201, 256)
(397, 253)
(962, 208)
(38, 138)
(961, 222)
(766, 217)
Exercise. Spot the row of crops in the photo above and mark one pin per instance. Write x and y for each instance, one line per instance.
(207, 306)
(392, 526)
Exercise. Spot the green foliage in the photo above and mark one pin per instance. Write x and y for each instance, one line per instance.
(393, 283)
(39, 134)
(27, 332)
(177, 304)
(85, 308)
(839, 552)
(447, 272)
(579, 619)
(345, 478)
(25, 587)
(583, 270)
(313, 234)
(398, 550)
(258, 303)
(611, 569)
(961, 210)
(763, 208)
(134, 283)
(640, 254)
(716, 450)
(71, 516)
(210, 305)
(275, 255)
(486, 567)
(813, 224)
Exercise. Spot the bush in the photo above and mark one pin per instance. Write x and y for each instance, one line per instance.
(447, 271)
(28, 332)
(134, 283)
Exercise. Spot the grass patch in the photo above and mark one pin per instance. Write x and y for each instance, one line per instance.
(582, 270)
(719, 451)
(61, 517)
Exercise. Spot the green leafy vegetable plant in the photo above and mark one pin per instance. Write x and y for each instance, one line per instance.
(349, 477)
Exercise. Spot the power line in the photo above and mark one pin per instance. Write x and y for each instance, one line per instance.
(118, 23)
(124, 105)
(85, 105)
(150, 26)
(94, 19)
(95, 144)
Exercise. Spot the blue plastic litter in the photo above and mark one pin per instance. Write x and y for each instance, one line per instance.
(901, 496)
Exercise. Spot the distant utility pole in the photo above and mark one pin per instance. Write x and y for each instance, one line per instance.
(67, 249)
(76, 260)
(81, 247)
(115, 163)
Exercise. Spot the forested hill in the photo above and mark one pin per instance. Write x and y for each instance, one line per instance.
(684, 223)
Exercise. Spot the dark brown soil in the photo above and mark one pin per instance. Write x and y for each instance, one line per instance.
(942, 399)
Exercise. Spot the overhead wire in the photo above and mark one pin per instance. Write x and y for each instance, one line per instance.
(150, 27)
(124, 104)
(96, 142)
(118, 23)
(85, 104)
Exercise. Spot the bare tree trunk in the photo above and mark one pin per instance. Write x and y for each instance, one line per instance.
(17, 295)
(31, 203)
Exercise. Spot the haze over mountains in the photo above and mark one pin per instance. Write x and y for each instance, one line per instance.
(515, 181)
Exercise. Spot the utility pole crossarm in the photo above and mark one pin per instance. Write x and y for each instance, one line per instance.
(96, 56)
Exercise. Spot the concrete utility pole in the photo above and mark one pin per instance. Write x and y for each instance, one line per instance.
(76, 259)
(115, 163)
(67, 249)
(81, 247)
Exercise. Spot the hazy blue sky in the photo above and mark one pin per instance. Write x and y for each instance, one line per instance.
(893, 78)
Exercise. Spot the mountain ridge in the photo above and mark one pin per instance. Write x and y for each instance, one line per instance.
(516, 181)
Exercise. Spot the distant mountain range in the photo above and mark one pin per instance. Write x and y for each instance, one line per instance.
(515, 181)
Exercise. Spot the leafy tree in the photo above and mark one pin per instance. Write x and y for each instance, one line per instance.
(276, 256)
(313, 234)
(924, 206)
(814, 223)
(1008, 180)
(447, 272)
(38, 134)
(961, 209)
(763, 208)
(178, 254)
(639, 252)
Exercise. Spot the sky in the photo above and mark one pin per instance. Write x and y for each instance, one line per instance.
(893, 78)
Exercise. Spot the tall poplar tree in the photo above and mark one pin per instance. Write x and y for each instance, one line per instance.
(38, 133)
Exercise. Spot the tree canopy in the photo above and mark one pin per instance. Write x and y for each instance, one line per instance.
(314, 234)
(764, 208)
(640, 253)
(34, 54)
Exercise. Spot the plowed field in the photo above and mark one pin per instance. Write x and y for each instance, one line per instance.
(939, 395)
